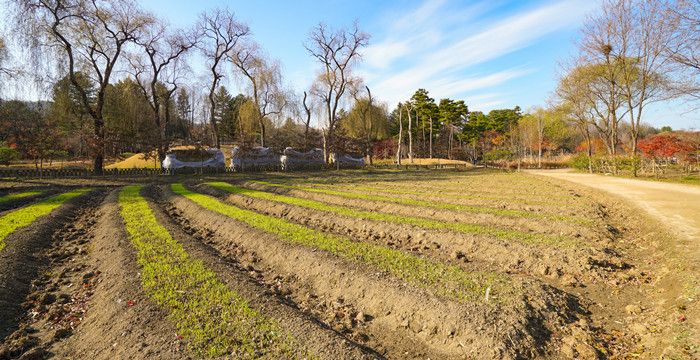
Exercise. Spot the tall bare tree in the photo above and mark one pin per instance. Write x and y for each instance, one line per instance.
(91, 36)
(265, 80)
(336, 52)
(157, 69)
(683, 48)
(628, 37)
(220, 33)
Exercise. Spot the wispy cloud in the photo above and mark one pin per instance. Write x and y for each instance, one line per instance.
(442, 58)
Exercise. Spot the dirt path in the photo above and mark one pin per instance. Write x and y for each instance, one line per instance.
(676, 205)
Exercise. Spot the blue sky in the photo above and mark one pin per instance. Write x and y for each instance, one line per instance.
(492, 54)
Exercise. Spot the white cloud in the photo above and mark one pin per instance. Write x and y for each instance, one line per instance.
(441, 57)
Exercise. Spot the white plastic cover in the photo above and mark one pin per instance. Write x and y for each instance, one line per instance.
(347, 161)
(295, 160)
(255, 157)
(216, 159)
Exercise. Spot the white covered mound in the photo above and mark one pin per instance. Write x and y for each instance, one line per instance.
(257, 157)
(215, 159)
(295, 160)
(347, 161)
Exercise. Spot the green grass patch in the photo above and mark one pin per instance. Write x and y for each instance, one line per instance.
(215, 320)
(445, 280)
(19, 195)
(25, 216)
(465, 228)
(430, 204)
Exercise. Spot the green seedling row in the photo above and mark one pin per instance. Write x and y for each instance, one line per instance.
(25, 216)
(465, 228)
(215, 320)
(428, 204)
(19, 195)
(445, 280)
(451, 195)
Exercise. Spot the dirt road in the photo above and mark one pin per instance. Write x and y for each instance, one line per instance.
(675, 205)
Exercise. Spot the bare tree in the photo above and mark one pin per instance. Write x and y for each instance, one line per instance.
(4, 70)
(628, 38)
(336, 52)
(265, 80)
(220, 33)
(157, 72)
(308, 109)
(91, 35)
(683, 48)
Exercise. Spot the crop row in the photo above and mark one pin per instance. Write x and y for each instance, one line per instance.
(19, 195)
(429, 204)
(214, 319)
(25, 216)
(460, 227)
(411, 190)
(445, 280)
(497, 184)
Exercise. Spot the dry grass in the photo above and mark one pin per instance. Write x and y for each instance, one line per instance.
(419, 161)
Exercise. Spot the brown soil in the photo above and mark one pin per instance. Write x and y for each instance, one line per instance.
(401, 316)
(522, 224)
(661, 239)
(23, 259)
(570, 266)
(121, 321)
(321, 340)
(86, 299)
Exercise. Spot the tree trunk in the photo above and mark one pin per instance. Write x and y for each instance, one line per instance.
(431, 137)
(212, 119)
(325, 146)
(398, 151)
(100, 147)
(590, 151)
(410, 137)
(262, 133)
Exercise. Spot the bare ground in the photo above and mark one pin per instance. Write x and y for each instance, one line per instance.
(664, 222)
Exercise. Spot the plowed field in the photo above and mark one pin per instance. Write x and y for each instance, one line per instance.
(339, 265)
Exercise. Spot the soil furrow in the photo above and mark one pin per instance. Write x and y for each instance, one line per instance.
(439, 205)
(471, 252)
(451, 329)
(120, 322)
(321, 340)
(22, 259)
(576, 232)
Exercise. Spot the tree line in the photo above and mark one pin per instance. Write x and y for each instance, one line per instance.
(120, 83)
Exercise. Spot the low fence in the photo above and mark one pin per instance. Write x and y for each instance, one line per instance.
(85, 173)
(420, 166)
(82, 173)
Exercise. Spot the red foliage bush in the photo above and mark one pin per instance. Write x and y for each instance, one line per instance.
(665, 146)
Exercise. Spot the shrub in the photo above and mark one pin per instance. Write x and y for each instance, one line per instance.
(7, 155)
(498, 154)
(580, 161)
